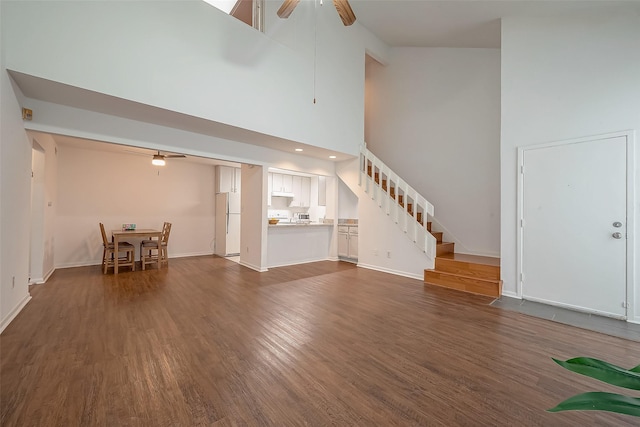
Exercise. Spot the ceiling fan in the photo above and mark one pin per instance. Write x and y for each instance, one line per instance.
(159, 159)
(342, 6)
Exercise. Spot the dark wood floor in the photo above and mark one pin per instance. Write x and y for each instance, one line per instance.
(207, 342)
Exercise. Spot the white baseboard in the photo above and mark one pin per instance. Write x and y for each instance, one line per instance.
(253, 267)
(41, 280)
(485, 254)
(87, 263)
(299, 262)
(511, 294)
(185, 255)
(16, 310)
(49, 273)
(390, 271)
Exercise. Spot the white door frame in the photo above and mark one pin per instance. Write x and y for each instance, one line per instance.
(632, 290)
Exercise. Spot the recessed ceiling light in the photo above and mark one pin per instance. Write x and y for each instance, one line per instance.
(332, 157)
(299, 149)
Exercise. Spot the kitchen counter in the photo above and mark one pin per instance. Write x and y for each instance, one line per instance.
(293, 243)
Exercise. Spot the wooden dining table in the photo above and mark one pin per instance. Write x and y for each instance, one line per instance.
(119, 235)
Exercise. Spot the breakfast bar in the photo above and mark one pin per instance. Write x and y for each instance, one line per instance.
(293, 243)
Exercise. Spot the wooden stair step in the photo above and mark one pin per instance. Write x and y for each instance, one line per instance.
(472, 285)
(469, 265)
(429, 226)
(437, 235)
(444, 248)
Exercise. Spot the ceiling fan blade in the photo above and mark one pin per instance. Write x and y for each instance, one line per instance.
(287, 7)
(174, 156)
(344, 10)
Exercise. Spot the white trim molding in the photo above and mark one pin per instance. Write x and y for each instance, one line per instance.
(16, 310)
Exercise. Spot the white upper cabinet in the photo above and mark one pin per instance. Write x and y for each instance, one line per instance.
(301, 192)
(227, 179)
(281, 183)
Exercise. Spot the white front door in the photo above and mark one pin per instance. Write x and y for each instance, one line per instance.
(574, 200)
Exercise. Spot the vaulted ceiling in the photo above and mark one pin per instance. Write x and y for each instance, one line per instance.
(461, 23)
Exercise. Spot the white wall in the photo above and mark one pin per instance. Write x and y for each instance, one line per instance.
(15, 196)
(113, 188)
(253, 223)
(347, 202)
(433, 116)
(564, 78)
(60, 119)
(191, 58)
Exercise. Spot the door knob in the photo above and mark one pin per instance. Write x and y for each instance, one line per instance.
(617, 224)
(617, 235)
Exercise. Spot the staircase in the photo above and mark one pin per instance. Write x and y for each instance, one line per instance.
(402, 203)
(408, 209)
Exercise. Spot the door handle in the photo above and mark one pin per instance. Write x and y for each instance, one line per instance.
(617, 235)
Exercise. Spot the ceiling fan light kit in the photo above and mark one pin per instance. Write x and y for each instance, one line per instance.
(158, 160)
(342, 6)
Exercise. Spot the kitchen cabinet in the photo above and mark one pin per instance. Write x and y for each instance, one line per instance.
(227, 179)
(343, 245)
(353, 245)
(301, 191)
(348, 241)
(282, 183)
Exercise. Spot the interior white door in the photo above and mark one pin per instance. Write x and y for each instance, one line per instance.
(572, 196)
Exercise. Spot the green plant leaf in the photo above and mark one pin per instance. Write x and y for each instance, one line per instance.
(603, 371)
(600, 401)
(636, 369)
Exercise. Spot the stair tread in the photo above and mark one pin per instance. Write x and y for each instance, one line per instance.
(472, 259)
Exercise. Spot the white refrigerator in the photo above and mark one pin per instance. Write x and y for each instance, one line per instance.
(227, 224)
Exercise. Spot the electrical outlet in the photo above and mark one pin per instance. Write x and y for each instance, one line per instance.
(388, 254)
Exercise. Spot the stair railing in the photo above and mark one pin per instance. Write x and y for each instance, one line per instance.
(401, 202)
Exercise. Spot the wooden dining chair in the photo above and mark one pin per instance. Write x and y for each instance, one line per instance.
(108, 253)
(147, 248)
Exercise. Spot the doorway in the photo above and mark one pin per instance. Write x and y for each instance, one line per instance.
(573, 228)
(36, 252)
